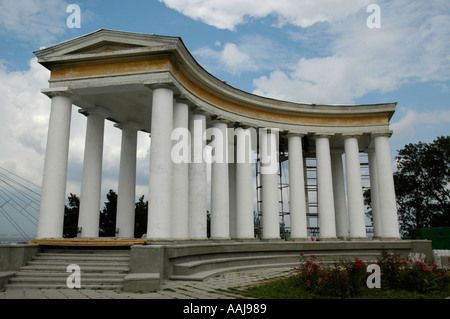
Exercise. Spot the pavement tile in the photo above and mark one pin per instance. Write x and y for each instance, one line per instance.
(211, 288)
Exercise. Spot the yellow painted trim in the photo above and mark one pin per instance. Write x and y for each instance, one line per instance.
(109, 68)
(160, 64)
(276, 117)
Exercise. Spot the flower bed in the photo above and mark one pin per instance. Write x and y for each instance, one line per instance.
(345, 279)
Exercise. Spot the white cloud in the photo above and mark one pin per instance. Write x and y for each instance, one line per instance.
(412, 121)
(251, 53)
(409, 46)
(230, 57)
(24, 126)
(40, 21)
(24, 120)
(231, 13)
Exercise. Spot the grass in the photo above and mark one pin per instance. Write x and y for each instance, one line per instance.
(289, 288)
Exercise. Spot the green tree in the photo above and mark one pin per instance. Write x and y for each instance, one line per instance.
(71, 212)
(141, 217)
(422, 181)
(108, 215)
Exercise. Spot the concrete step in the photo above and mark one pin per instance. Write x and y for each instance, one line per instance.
(203, 268)
(61, 286)
(202, 275)
(84, 268)
(58, 275)
(196, 266)
(60, 279)
(98, 269)
(79, 262)
(81, 257)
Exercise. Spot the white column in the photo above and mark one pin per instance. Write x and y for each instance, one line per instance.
(297, 189)
(51, 216)
(232, 181)
(90, 198)
(376, 215)
(160, 179)
(325, 197)
(244, 184)
(180, 177)
(126, 197)
(197, 179)
(269, 182)
(340, 199)
(386, 190)
(354, 189)
(220, 210)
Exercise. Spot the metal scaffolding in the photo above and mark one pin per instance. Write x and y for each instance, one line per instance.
(310, 173)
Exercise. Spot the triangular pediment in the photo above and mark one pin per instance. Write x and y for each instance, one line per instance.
(104, 42)
(105, 46)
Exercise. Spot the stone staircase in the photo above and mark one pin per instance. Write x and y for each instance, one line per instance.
(202, 267)
(100, 269)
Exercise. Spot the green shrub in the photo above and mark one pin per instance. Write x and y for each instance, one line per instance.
(345, 279)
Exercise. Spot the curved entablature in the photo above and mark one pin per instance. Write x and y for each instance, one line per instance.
(115, 70)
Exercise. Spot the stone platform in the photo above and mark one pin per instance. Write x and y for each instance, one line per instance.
(151, 263)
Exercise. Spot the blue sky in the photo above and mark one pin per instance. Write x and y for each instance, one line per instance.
(303, 51)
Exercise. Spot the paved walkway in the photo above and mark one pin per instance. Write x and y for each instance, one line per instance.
(212, 288)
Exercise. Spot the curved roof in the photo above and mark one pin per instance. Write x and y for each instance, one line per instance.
(116, 69)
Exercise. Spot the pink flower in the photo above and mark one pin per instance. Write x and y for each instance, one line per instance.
(313, 256)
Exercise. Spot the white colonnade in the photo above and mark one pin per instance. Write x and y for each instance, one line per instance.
(178, 187)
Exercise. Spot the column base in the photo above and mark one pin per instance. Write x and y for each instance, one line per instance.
(328, 239)
(359, 239)
(300, 239)
(159, 241)
(245, 239)
(272, 240)
(220, 240)
(390, 239)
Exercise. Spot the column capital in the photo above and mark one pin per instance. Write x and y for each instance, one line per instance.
(321, 135)
(218, 121)
(97, 110)
(132, 126)
(290, 134)
(198, 111)
(352, 135)
(385, 133)
(59, 91)
(181, 98)
(163, 85)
